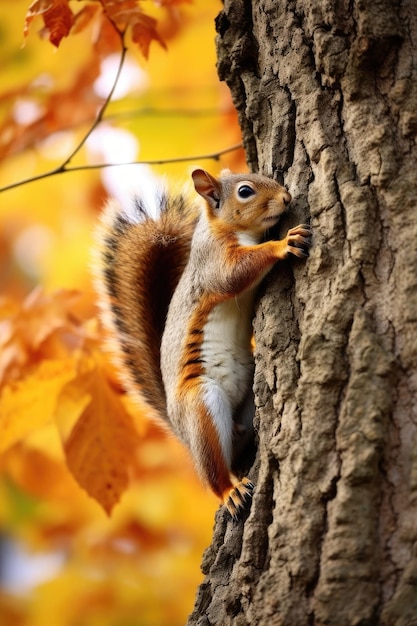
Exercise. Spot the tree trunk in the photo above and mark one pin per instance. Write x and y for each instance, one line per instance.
(327, 98)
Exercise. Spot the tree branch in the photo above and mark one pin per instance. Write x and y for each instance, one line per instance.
(64, 166)
(214, 156)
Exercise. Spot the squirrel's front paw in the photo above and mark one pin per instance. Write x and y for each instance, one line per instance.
(299, 240)
(237, 499)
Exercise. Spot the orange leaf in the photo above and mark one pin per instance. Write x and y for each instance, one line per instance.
(99, 436)
(57, 16)
(144, 32)
(58, 21)
(127, 13)
(44, 327)
(84, 17)
(121, 12)
(43, 315)
(57, 106)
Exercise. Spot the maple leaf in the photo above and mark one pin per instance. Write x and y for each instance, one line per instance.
(98, 434)
(57, 17)
(58, 21)
(127, 13)
(120, 11)
(144, 32)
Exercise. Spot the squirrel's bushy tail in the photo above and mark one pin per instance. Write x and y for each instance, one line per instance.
(138, 261)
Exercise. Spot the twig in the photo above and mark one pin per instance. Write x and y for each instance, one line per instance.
(214, 156)
(63, 166)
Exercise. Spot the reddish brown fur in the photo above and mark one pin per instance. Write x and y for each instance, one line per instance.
(245, 265)
(190, 365)
(214, 467)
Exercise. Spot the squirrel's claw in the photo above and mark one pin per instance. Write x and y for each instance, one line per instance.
(299, 240)
(238, 498)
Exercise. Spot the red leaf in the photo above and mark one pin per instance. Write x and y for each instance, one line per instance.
(144, 31)
(127, 13)
(58, 21)
(57, 17)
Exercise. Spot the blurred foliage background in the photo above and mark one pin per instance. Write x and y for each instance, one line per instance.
(72, 553)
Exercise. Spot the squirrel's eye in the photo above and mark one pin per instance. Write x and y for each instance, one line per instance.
(244, 191)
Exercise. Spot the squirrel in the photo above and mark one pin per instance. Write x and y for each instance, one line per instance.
(176, 293)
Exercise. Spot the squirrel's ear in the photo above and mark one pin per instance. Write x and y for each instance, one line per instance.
(207, 186)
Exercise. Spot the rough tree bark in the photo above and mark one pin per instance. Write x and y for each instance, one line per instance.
(327, 98)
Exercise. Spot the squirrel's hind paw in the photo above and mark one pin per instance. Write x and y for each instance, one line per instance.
(237, 499)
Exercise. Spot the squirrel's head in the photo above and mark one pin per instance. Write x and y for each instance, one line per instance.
(251, 202)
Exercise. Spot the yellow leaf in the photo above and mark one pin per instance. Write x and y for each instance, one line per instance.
(99, 435)
(29, 404)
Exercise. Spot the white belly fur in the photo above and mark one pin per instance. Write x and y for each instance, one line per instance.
(226, 351)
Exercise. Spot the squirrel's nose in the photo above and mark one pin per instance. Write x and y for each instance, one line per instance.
(286, 197)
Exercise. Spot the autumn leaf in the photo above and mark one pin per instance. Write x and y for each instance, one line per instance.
(144, 32)
(121, 12)
(98, 434)
(43, 327)
(58, 22)
(38, 7)
(56, 109)
(57, 16)
(127, 13)
(61, 375)
(29, 404)
(84, 17)
(43, 315)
